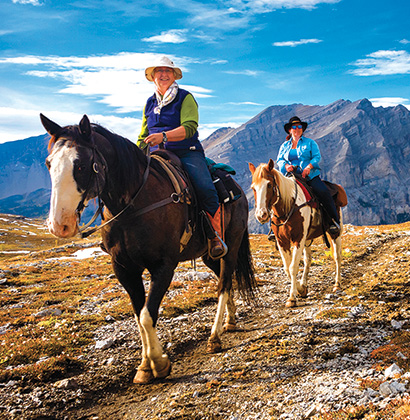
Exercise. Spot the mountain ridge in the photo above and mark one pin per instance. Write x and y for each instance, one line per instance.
(366, 149)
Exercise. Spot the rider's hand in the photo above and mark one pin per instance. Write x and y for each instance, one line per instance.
(154, 139)
(289, 168)
(306, 171)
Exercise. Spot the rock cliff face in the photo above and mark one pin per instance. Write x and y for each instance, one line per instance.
(363, 148)
(22, 168)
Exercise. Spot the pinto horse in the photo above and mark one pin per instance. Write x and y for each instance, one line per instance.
(294, 222)
(143, 225)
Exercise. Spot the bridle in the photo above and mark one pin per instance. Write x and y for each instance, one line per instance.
(291, 211)
(84, 233)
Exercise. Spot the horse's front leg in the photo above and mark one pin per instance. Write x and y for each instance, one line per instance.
(291, 262)
(307, 260)
(337, 257)
(158, 360)
(132, 282)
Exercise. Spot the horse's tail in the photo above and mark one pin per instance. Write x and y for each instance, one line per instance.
(244, 270)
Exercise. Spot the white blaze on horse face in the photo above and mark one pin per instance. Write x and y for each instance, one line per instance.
(62, 220)
(261, 199)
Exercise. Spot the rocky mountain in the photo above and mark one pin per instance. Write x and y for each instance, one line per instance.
(365, 149)
(22, 168)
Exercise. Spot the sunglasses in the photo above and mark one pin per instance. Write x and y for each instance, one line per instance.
(296, 126)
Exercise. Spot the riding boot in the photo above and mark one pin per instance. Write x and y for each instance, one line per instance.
(217, 247)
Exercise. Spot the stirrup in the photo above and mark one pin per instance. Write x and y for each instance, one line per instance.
(334, 228)
(223, 246)
(271, 236)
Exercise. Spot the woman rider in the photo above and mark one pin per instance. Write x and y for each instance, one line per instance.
(301, 155)
(171, 116)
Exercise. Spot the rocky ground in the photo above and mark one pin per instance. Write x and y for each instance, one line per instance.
(323, 359)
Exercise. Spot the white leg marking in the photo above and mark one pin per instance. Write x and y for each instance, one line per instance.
(216, 330)
(159, 360)
(230, 310)
(307, 259)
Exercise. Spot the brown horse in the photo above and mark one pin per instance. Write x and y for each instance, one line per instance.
(145, 222)
(294, 222)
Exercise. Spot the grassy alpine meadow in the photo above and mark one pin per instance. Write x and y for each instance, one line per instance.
(54, 295)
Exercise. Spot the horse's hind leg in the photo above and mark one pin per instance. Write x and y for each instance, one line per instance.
(230, 322)
(307, 259)
(225, 300)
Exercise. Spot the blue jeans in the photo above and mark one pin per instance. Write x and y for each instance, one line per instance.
(194, 163)
(323, 194)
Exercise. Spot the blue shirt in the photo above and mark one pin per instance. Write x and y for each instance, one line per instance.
(307, 152)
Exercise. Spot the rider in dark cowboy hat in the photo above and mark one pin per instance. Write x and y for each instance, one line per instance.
(299, 154)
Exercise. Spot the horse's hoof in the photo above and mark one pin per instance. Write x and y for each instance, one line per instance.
(229, 327)
(164, 372)
(214, 345)
(143, 376)
(290, 303)
(303, 291)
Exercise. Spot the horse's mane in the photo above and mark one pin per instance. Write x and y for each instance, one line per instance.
(286, 185)
(130, 158)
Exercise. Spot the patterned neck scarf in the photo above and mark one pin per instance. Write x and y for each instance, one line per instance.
(167, 98)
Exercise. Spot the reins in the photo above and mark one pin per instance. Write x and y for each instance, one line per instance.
(173, 198)
(292, 210)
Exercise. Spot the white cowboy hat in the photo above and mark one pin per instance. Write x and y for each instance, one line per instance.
(163, 62)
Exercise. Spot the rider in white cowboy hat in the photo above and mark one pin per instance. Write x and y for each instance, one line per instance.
(171, 117)
(163, 62)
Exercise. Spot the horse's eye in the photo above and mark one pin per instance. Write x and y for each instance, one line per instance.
(270, 186)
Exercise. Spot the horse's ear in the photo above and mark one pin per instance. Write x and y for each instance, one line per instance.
(251, 167)
(271, 165)
(51, 127)
(85, 127)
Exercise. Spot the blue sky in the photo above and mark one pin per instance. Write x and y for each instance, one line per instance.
(69, 58)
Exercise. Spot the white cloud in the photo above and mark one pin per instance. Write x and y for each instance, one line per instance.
(383, 62)
(252, 73)
(392, 101)
(296, 43)
(33, 2)
(174, 36)
(264, 6)
(245, 103)
(18, 123)
(404, 41)
(199, 92)
(205, 130)
(114, 80)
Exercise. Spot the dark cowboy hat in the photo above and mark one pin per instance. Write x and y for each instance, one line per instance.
(295, 121)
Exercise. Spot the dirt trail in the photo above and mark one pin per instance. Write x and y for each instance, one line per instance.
(279, 364)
